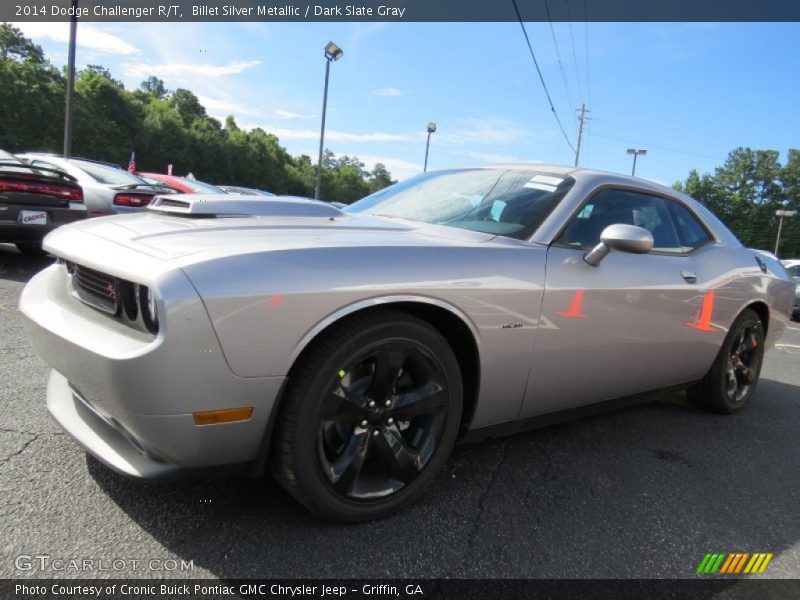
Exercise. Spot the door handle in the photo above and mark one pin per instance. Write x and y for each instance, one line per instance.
(689, 276)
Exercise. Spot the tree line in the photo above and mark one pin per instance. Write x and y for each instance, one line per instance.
(746, 191)
(172, 127)
(162, 126)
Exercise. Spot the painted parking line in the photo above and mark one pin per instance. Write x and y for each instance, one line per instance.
(787, 346)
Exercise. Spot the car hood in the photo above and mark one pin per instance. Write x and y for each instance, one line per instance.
(189, 239)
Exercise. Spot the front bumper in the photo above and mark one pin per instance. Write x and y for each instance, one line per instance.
(128, 398)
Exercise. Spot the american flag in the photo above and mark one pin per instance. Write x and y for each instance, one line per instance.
(132, 163)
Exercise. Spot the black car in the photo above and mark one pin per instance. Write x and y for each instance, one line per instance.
(35, 200)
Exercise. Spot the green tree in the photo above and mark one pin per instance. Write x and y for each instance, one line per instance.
(746, 191)
(187, 105)
(162, 127)
(154, 87)
(14, 45)
(379, 178)
(31, 93)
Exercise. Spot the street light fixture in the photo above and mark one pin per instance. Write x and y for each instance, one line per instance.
(781, 214)
(332, 53)
(636, 152)
(431, 129)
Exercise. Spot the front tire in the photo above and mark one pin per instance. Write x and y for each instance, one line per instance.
(371, 413)
(727, 387)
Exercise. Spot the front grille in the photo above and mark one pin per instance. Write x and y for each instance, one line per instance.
(95, 288)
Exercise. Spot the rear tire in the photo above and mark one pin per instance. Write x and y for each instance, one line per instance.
(730, 382)
(30, 248)
(370, 415)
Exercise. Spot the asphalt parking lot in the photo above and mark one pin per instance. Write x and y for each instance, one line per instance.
(642, 492)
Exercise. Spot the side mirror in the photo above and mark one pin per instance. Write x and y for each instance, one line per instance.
(620, 238)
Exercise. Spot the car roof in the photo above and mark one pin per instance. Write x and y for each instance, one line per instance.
(59, 157)
(159, 175)
(580, 173)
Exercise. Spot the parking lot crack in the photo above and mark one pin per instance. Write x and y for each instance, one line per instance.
(482, 499)
(25, 444)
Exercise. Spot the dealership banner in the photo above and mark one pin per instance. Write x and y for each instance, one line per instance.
(400, 10)
(404, 589)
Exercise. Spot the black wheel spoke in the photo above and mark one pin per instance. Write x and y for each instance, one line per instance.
(342, 409)
(744, 373)
(346, 403)
(382, 420)
(388, 365)
(426, 399)
(403, 461)
(344, 471)
(743, 363)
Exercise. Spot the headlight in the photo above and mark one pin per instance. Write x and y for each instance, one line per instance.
(149, 308)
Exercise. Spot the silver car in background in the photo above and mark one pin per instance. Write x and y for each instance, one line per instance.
(107, 189)
(348, 350)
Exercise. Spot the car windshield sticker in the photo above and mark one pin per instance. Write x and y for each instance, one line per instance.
(544, 182)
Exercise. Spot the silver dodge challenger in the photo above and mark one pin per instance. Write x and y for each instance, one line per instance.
(349, 350)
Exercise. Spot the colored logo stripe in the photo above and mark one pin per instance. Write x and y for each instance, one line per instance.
(734, 562)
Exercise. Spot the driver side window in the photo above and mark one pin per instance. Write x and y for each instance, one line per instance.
(610, 207)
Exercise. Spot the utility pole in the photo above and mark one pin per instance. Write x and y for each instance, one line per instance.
(68, 107)
(581, 120)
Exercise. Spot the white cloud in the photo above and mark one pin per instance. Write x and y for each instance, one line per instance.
(224, 108)
(88, 37)
(331, 134)
(179, 70)
(286, 114)
(389, 92)
(485, 130)
(496, 158)
(400, 169)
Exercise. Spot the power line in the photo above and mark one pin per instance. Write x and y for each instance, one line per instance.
(558, 56)
(618, 139)
(539, 71)
(574, 54)
(586, 44)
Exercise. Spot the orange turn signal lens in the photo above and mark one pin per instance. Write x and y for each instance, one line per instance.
(228, 415)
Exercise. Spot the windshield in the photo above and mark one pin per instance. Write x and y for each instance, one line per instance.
(504, 202)
(198, 187)
(107, 173)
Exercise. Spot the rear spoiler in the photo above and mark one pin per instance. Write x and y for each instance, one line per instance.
(7, 167)
(227, 205)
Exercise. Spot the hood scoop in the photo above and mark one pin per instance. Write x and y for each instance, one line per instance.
(226, 205)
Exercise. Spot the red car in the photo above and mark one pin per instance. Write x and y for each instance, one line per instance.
(181, 185)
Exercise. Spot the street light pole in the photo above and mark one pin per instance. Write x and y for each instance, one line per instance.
(431, 129)
(332, 52)
(781, 214)
(68, 106)
(636, 152)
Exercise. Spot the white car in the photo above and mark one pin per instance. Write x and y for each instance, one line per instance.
(793, 268)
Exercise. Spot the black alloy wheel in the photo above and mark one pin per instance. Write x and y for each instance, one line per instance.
(730, 382)
(744, 363)
(370, 414)
(383, 420)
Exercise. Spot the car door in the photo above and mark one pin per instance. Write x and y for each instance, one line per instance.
(623, 327)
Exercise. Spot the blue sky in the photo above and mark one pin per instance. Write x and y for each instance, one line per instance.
(688, 93)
